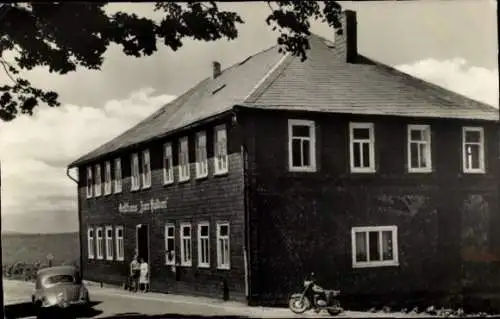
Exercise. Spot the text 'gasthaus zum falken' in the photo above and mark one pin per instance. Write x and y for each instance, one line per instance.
(144, 206)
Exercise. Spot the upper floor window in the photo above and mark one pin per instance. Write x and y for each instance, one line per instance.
(473, 149)
(98, 185)
(419, 148)
(374, 246)
(135, 176)
(301, 146)
(183, 159)
(90, 182)
(118, 175)
(201, 155)
(220, 150)
(146, 169)
(362, 147)
(107, 178)
(168, 164)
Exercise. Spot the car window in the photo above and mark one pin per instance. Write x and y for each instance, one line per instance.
(58, 279)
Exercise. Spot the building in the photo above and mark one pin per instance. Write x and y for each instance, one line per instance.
(382, 184)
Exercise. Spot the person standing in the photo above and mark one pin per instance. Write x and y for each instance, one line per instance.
(144, 276)
(135, 269)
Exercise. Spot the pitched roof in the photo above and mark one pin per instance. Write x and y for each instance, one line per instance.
(323, 83)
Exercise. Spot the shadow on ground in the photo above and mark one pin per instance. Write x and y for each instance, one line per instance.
(27, 309)
(165, 316)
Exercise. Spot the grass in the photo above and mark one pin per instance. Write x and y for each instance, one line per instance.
(32, 248)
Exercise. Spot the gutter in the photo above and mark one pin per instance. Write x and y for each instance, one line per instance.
(79, 220)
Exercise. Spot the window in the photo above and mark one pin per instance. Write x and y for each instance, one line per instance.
(118, 175)
(223, 246)
(220, 150)
(90, 182)
(99, 243)
(203, 245)
(98, 186)
(362, 146)
(90, 243)
(108, 233)
(183, 159)
(201, 155)
(169, 245)
(301, 146)
(168, 164)
(186, 245)
(134, 162)
(107, 178)
(119, 244)
(146, 169)
(473, 149)
(374, 246)
(419, 148)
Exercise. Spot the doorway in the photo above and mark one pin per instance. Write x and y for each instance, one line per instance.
(142, 241)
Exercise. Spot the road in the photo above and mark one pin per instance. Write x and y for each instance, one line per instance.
(113, 303)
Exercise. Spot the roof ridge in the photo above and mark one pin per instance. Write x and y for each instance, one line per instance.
(433, 86)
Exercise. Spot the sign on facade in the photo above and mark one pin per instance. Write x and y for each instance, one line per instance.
(143, 206)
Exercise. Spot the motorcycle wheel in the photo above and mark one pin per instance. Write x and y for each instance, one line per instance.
(297, 305)
(335, 310)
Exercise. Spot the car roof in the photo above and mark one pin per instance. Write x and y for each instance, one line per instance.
(57, 270)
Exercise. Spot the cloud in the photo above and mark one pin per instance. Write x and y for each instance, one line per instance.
(456, 75)
(34, 153)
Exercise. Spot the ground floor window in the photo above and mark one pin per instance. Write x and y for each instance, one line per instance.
(169, 245)
(119, 245)
(186, 247)
(108, 233)
(90, 243)
(203, 245)
(223, 246)
(99, 243)
(374, 246)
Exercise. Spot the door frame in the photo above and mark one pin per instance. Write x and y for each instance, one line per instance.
(148, 241)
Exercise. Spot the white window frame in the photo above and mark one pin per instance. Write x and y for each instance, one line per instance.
(201, 155)
(184, 170)
(481, 144)
(203, 263)
(107, 178)
(108, 242)
(186, 262)
(118, 179)
(312, 145)
(379, 263)
(168, 173)
(90, 242)
(169, 250)
(146, 169)
(220, 253)
(221, 158)
(135, 176)
(99, 243)
(90, 182)
(371, 149)
(120, 243)
(426, 129)
(97, 180)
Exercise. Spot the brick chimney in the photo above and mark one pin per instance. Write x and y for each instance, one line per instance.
(349, 37)
(216, 69)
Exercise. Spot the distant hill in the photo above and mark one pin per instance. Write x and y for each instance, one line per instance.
(30, 248)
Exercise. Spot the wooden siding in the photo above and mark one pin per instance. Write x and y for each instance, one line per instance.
(212, 199)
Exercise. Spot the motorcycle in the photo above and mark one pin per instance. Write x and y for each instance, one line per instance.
(316, 298)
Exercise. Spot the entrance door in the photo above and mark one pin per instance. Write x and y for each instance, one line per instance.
(142, 241)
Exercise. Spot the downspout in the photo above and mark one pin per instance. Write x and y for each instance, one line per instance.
(79, 221)
(246, 206)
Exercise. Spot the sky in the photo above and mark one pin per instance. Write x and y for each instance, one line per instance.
(450, 43)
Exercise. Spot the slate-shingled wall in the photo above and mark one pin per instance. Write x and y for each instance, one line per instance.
(216, 198)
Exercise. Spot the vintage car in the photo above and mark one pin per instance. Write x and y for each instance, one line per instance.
(59, 287)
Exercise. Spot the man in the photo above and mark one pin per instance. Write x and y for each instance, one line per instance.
(135, 271)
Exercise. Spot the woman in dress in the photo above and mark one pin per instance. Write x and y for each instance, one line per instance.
(144, 276)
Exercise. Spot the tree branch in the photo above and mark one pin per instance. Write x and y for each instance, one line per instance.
(4, 66)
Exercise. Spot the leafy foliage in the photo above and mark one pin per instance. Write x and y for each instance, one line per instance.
(67, 36)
